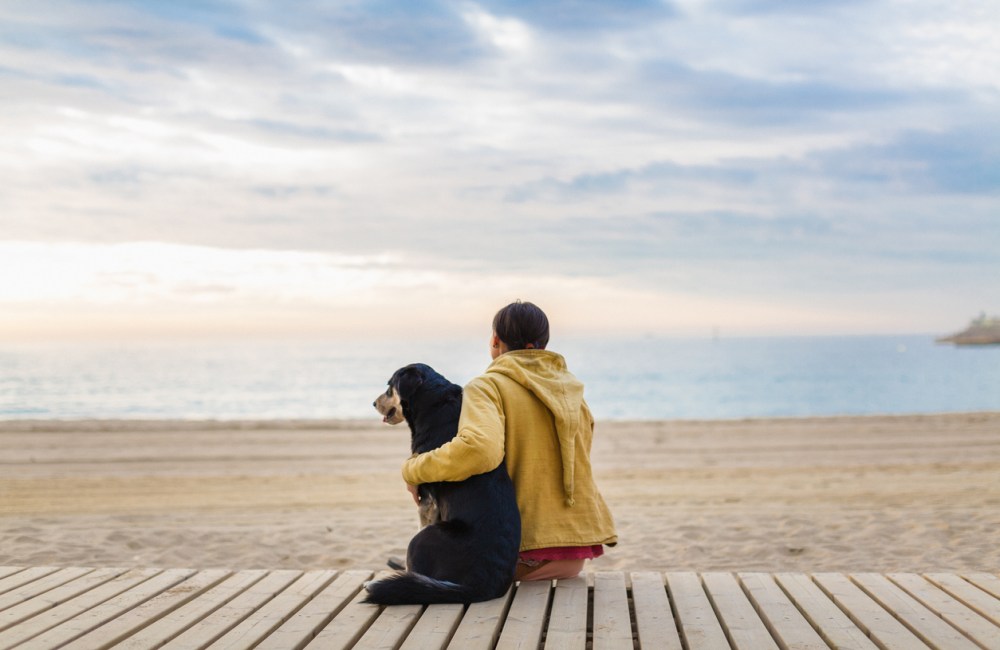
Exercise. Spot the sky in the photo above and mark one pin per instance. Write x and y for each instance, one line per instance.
(394, 168)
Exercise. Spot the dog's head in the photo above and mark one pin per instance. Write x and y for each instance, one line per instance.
(403, 384)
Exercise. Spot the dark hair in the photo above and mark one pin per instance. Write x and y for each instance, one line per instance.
(520, 324)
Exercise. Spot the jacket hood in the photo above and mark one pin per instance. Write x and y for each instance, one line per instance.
(545, 375)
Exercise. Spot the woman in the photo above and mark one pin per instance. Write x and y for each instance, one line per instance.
(528, 406)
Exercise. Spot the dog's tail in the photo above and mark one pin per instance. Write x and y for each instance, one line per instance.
(415, 589)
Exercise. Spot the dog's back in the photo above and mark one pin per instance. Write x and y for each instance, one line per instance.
(470, 553)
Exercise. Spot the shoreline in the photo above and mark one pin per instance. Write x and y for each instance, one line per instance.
(47, 423)
(914, 492)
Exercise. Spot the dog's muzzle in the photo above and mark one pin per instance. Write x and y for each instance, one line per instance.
(388, 405)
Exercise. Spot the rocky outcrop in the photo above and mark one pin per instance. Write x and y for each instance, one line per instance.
(981, 331)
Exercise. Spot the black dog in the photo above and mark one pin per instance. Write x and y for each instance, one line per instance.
(467, 550)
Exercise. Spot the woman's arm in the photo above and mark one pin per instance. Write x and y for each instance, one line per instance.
(478, 447)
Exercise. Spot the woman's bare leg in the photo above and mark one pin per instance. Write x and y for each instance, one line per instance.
(550, 570)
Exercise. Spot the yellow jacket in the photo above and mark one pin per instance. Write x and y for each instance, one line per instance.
(528, 406)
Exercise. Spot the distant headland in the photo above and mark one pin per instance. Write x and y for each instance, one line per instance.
(984, 330)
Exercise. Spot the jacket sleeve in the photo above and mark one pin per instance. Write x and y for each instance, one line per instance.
(478, 447)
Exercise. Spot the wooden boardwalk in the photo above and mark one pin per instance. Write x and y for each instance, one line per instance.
(86, 608)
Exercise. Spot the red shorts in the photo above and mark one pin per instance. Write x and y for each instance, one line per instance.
(563, 553)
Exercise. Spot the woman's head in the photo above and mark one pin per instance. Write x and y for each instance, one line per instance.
(521, 326)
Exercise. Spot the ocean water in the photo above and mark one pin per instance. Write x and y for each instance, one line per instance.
(648, 378)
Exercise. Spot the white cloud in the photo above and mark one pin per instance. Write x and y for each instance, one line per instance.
(144, 289)
(956, 46)
(379, 78)
(490, 147)
(144, 273)
(509, 34)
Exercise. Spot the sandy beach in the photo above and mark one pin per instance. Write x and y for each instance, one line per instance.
(884, 493)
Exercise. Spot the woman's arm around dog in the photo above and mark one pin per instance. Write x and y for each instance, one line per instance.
(478, 447)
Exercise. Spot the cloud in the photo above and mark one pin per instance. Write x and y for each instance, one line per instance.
(796, 153)
(961, 161)
(575, 16)
(382, 32)
(770, 7)
(749, 102)
(151, 272)
(146, 289)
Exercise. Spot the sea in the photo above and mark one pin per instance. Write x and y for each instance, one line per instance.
(626, 379)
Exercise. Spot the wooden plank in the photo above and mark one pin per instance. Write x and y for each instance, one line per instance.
(130, 622)
(391, 624)
(612, 619)
(567, 627)
(348, 626)
(300, 629)
(9, 570)
(655, 623)
(53, 597)
(390, 628)
(742, 626)
(782, 618)
(267, 618)
(95, 609)
(976, 627)
(985, 581)
(13, 579)
(880, 625)
(700, 629)
(969, 594)
(108, 610)
(52, 615)
(176, 621)
(435, 627)
(927, 625)
(526, 617)
(36, 583)
(482, 623)
(829, 620)
(209, 629)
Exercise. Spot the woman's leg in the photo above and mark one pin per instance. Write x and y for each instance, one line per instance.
(549, 570)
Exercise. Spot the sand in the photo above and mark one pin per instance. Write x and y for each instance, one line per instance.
(886, 493)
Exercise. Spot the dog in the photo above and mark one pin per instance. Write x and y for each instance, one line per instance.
(468, 547)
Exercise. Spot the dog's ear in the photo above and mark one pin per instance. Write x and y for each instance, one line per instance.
(406, 381)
